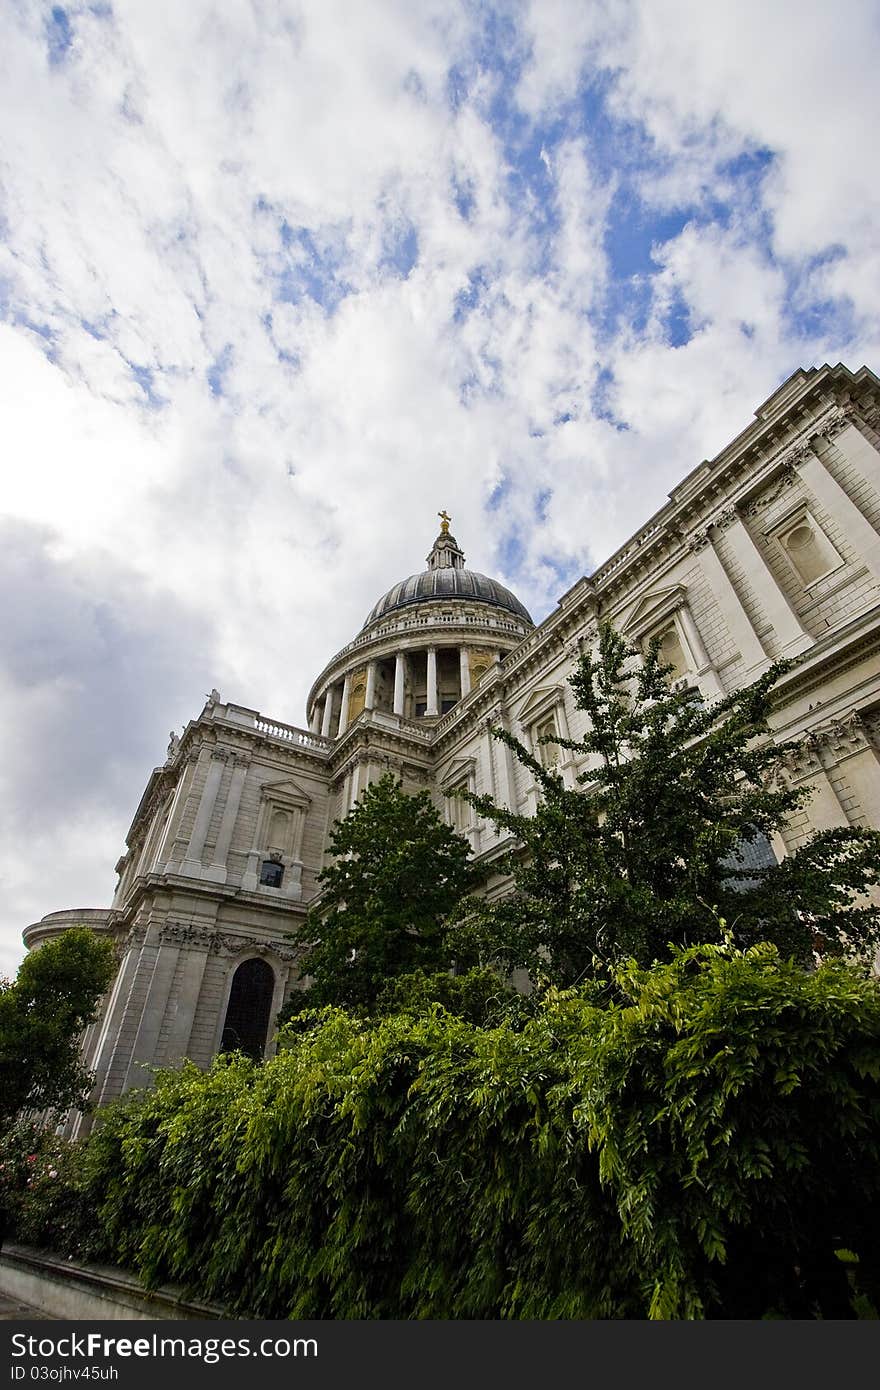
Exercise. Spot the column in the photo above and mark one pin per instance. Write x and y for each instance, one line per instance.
(845, 436)
(370, 696)
(464, 663)
(823, 808)
(113, 1017)
(792, 637)
(185, 804)
(507, 780)
(189, 987)
(738, 623)
(155, 1006)
(315, 721)
(192, 864)
(328, 712)
(343, 713)
(838, 504)
(217, 871)
(399, 682)
(432, 681)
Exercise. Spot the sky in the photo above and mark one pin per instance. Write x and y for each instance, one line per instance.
(279, 281)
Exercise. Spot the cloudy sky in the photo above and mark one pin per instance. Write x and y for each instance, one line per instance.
(279, 280)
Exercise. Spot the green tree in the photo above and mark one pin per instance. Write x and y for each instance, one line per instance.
(396, 874)
(42, 1015)
(646, 850)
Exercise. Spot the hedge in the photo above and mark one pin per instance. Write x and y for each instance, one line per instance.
(700, 1139)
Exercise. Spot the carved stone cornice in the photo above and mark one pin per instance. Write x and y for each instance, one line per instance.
(220, 943)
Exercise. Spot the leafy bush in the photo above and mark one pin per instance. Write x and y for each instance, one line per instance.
(695, 1139)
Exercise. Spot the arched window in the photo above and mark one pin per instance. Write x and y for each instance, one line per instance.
(250, 1004)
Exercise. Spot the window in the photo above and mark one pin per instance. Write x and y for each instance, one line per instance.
(672, 653)
(458, 810)
(808, 550)
(546, 753)
(357, 699)
(272, 873)
(447, 705)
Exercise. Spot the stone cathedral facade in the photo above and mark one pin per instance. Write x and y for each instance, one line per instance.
(770, 549)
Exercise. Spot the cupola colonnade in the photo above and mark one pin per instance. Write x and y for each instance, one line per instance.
(424, 645)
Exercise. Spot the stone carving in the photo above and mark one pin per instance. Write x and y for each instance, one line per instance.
(185, 934)
(220, 943)
(136, 937)
(173, 746)
(699, 539)
(785, 479)
(847, 734)
(726, 518)
(846, 415)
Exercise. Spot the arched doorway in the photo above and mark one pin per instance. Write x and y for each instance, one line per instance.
(246, 1025)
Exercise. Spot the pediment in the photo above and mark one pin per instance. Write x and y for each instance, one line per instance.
(286, 790)
(459, 770)
(654, 607)
(542, 697)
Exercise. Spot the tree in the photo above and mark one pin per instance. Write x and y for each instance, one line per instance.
(396, 874)
(42, 1015)
(647, 849)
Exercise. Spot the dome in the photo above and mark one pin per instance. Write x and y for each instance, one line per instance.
(446, 579)
(455, 584)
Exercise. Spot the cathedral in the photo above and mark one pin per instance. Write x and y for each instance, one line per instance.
(771, 549)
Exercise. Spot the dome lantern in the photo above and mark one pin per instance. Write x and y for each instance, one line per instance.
(446, 553)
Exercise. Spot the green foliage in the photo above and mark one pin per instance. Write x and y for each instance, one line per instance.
(645, 851)
(697, 1139)
(478, 995)
(42, 1015)
(397, 871)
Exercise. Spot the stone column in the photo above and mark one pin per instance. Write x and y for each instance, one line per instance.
(399, 682)
(328, 712)
(431, 707)
(844, 435)
(854, 524)
(124, 1020)
(464, 664)
(791, 636)
(217, 870)
(508, 771)
(192, 864)
(370, 695)
(315, 721)
(192, 973)
(155, 1005)
(113, 1019)
(343, 712)
(737, 619)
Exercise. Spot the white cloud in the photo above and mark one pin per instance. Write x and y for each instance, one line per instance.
(330, 213)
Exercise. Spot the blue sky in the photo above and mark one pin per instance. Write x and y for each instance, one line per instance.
(280, 280)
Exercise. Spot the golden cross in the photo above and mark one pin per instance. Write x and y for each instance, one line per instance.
(445, 519)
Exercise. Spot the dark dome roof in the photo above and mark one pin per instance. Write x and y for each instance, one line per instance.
(459, 584)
